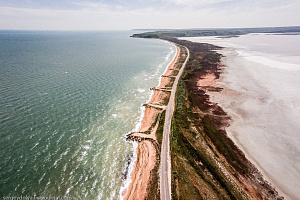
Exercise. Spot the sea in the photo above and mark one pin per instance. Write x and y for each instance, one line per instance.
(67, 100)
(261, 93)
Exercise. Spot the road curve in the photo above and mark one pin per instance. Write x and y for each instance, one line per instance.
(165, 164)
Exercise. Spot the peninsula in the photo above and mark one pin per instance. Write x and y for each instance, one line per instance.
(205, 162)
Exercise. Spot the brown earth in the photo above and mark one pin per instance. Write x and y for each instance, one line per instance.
(148, 156)
(206, 164)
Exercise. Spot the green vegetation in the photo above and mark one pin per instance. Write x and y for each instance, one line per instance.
(206, 164)
(194, 174)
(160, 128)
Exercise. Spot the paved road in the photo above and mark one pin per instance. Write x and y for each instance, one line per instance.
(165, 165)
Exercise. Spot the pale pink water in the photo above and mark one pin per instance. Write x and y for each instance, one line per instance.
(261, 93)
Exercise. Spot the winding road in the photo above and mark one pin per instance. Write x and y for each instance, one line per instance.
(165, 165)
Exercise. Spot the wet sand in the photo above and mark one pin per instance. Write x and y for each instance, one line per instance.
(262, 97)
(146, 151)
(142, 168)
(264, 128)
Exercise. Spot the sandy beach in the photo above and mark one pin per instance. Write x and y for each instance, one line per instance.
(146, 150)
(260, 94)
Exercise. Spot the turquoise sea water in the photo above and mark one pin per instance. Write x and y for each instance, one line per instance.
(66, 101)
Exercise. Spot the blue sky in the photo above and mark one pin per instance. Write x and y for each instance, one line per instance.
(130, 14)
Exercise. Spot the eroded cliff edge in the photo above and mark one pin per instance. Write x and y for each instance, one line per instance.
(206, 164)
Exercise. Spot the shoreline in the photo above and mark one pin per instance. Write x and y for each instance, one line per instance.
(228, 164)
(234, 130)
(218, 167)
(209, 80)
(259, 94)
(146, 150)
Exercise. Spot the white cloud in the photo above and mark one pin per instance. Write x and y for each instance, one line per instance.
(92, 5)
(196, 2)
(100, 16)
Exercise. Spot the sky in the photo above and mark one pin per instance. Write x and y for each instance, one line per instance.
(146, 14)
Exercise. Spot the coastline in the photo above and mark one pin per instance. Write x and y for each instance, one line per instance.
(215, 157)
(260, 95)
(147, 154)
(202, 152)
(239, 128)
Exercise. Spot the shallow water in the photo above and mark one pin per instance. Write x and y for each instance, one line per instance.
(261, 93)
(67, 100)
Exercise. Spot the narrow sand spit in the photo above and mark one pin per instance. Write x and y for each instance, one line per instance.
(146, 152)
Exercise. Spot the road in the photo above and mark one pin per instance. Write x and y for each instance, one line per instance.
(165, 164)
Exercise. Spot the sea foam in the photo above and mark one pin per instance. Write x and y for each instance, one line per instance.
(138, 124)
